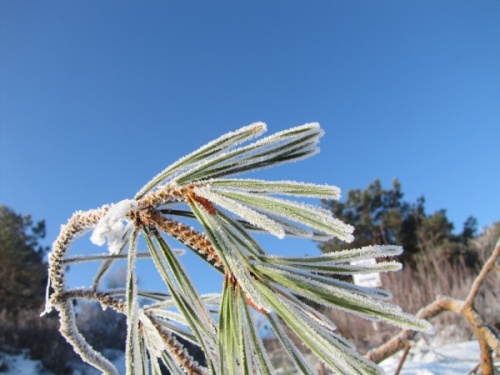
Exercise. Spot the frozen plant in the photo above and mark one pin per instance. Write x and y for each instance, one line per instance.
(228, 210)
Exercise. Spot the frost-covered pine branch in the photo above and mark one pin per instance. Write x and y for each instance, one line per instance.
(202, 185)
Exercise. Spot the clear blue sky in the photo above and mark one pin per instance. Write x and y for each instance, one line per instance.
(96, 97)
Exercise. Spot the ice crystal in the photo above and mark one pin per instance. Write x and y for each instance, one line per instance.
(111, 226)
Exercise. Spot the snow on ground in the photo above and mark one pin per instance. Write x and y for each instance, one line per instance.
(19, 365)
(453, 359)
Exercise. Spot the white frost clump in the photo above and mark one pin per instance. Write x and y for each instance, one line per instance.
(111, 225)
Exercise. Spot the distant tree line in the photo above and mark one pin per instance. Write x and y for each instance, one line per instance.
(23, 278)
(382, 216)
(23, 274)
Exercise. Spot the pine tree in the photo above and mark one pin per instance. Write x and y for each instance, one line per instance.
(23, 273)
(382, 217)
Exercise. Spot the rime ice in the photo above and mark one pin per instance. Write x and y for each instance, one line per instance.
(111, 225)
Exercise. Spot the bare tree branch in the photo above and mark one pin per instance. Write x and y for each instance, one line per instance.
(488, 340)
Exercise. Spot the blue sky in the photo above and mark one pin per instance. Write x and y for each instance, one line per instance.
(97, 97)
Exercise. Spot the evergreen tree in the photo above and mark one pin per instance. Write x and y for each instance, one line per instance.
(469, 230)
(382, 217)
(23, 273)
(379, 216)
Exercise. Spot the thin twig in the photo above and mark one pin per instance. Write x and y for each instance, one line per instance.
(403, 359)
(71, 333)
(488, 266)
(104, 298)
(474, 370)
(76, 226)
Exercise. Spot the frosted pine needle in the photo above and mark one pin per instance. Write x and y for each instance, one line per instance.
(229, 210)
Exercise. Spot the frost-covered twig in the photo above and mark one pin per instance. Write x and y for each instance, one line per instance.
(77, 225)
(105, 299)
(70, 331)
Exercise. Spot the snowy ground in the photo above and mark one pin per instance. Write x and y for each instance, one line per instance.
(454, 359)
(19, 365)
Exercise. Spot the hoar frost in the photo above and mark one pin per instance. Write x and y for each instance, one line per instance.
(111, 226)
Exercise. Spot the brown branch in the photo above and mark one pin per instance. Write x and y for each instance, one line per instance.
(403, 359)
(400, 341)
(181, 232)
(474, 370)
(163, 195)
(487, 339)
(488, 266)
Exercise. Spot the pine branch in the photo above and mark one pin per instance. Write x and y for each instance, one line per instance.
(229, 211)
